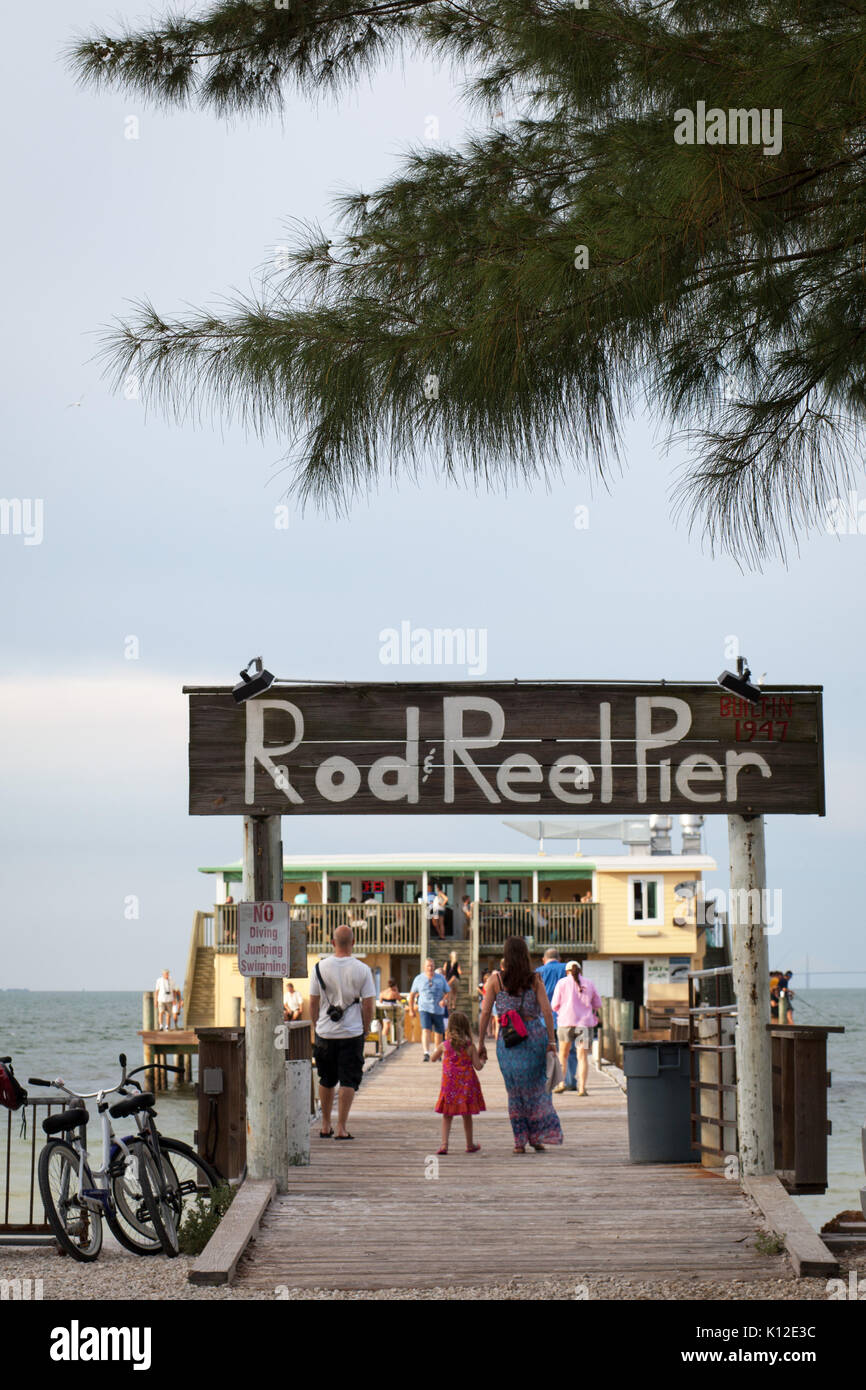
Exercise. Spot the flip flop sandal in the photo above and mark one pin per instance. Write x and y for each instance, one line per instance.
(322, 1134)
(539, 1148)
(518, 1151)
(473, 1148)
(339, 1137)
(441, 1151)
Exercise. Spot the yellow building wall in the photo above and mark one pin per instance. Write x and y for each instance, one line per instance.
(617, 937)
(228, 985)
(562, 890)
(312, 887)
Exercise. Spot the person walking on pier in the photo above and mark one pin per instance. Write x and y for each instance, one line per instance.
(576, 1004)
(349, 993)
(552, 971)
(460, 1093)
(430, 989)
(518, 989)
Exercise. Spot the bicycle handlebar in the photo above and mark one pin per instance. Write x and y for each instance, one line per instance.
(152, 1066)
(59, 1085)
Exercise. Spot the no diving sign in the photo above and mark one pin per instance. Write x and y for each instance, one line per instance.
(263, 939)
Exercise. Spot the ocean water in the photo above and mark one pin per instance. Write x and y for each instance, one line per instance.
(78, 1036)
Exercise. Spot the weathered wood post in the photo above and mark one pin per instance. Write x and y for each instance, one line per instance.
(299, 1069)
(626, 1021)
(425, 921)
(474, 971)
(267, 1107)
(751, 973)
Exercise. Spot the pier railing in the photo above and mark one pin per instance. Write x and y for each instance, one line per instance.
(399, 928)
(568, 926)
(22, 1218)
(389, 928)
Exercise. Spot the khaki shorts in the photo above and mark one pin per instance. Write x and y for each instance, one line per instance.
(582, 1036)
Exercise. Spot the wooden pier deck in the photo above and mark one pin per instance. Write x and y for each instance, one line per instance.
(365, 1216)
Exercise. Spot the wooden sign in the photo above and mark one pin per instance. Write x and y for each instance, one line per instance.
(489, 747)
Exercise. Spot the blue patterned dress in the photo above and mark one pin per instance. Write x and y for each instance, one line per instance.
(524, 1070)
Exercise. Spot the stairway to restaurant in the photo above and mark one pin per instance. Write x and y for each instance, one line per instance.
(199, 1011)
(440, 951)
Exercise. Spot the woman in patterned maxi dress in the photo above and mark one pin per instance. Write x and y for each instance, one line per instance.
(524, 1067)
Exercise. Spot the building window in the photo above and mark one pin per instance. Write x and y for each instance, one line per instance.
(407, 890)
(339, 892)
(510, 890)
(646, 901)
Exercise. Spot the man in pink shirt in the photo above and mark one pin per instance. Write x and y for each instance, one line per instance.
(577, 1004)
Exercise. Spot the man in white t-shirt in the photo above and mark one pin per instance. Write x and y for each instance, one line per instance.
(342, 1000)
(164, 991)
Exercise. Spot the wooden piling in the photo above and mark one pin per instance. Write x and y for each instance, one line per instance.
(267, 1113)
(751, 973)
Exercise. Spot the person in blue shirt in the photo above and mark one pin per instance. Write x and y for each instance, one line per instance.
(552, 971)
(430, 988)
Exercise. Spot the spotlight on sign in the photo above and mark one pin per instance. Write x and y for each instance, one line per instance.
(740, 684)
(250, 685)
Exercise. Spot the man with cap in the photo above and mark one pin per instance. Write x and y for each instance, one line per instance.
(578, 1005)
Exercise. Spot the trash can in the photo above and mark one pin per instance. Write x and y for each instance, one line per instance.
(659, 1102)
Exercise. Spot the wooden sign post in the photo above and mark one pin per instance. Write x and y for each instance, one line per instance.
(748, 917)
(267, 1104)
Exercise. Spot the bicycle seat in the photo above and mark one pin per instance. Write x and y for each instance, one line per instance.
(67, 1119)
(131, 1105)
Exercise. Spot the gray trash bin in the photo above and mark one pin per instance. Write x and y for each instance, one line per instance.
(659, 1102)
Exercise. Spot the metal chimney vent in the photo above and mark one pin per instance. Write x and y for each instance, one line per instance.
(660, 834)
(691, 827)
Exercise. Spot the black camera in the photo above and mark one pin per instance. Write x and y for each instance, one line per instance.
(334, 1012)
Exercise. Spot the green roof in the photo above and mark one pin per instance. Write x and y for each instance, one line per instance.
(582, 869)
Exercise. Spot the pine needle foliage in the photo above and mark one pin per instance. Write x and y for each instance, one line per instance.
(722, 285)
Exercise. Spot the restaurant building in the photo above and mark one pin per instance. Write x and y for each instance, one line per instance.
(632, 919)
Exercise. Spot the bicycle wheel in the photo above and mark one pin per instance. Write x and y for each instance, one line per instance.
(78, 1228)
(190, 1178)
(161, 1199)
(130, 1220)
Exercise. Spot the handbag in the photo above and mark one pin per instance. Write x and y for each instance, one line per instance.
(512, 1029)
(554, 1071)
(512, 1025)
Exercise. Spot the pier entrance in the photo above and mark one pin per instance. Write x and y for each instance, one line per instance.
(383, 1212)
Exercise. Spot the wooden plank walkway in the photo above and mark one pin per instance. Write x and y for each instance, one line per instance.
(364, 1215)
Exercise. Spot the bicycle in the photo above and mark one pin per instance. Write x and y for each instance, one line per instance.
(134, 1177)
(192, 1178)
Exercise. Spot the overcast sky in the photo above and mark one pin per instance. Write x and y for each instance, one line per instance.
(165, 533)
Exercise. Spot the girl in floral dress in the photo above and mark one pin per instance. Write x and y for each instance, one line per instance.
(461, 1092)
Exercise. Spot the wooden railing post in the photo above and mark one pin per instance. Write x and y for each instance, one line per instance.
(474, 976)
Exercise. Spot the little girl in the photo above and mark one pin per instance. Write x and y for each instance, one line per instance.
(461, 1092)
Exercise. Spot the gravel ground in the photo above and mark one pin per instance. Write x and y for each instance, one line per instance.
(117, 1274)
